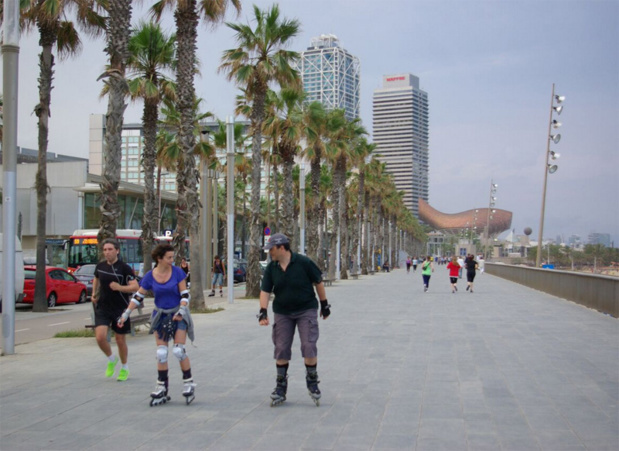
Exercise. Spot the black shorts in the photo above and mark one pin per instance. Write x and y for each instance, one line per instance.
(453, 279)
(106, 316)
(470, 276)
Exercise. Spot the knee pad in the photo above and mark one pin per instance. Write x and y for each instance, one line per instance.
(162, 354)
(179, 352)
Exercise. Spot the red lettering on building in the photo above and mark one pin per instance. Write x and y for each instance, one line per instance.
(395, 78)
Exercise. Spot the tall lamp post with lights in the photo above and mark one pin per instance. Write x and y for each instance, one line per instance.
(549, 167)
(491, 211)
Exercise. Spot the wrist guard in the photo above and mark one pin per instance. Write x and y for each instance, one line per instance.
(137, 298)
(185, 296)
(262, 315)
(325, 309)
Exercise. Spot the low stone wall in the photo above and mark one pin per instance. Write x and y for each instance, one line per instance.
(597, 292)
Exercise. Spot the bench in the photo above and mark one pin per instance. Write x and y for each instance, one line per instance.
(354, 275)
(136, 320)
(327, 282)
(371, 272)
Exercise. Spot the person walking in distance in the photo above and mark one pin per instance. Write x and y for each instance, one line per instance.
(219, 271)
(293, 278)
(408, 264)
(171, 320)
(454, 269)
(427, 268)
(461, 263)
(113, 282)
(415, 263)
(471, 265)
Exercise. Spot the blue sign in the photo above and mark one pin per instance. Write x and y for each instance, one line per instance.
(267, 231)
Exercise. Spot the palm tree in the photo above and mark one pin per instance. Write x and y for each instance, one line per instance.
(285, 124)
(339, 153)
(118, 31)
(259, 60)
(362, 150)
(187, 16)
(151, 51)
(55, 31)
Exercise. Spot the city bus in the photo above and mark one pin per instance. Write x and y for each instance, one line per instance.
(82, 248)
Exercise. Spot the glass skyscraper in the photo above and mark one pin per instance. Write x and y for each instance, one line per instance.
(401, 134)
(331, 75)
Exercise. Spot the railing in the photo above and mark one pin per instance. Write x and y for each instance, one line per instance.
(594, 291)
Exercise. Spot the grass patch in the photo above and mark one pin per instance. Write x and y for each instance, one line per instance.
(206, 310)
(78, 333)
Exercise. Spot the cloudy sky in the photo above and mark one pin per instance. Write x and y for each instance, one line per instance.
(488, 67)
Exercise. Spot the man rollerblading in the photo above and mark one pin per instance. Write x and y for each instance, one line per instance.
(295, 280)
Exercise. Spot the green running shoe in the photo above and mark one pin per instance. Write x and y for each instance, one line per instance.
(111, 366)
(123, 374)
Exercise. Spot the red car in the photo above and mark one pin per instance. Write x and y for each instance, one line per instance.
(61, 286)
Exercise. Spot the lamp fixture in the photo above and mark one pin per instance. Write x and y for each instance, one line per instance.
(556, 123)
(552, 168)
(556, 138)
(554, 155)
(559, 99)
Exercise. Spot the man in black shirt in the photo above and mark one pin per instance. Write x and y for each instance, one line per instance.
(292, 278)
(114, 281)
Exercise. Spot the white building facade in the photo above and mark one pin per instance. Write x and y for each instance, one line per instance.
(401, 133)
(331, 75)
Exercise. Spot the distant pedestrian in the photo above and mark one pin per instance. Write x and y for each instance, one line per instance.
(461, 263)
(408, 264)
(114, 281)
(185, 268)
(219, 271)
(471, 266)
(292, 278)
(170, 320)
(454, 269)
(427, 268)
(415, 263)
(482, 264)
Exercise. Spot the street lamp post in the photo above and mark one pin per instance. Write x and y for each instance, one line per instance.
(230, 204)
(549, 168)
(302, 209)
(491, 211)
(205, 217)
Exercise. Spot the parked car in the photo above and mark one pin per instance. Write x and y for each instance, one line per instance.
(19, 272)
(85, 274)
(240, 271)
(61, 287)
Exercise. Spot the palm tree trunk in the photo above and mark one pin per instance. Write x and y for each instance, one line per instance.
(288, 197)
(337, 198)
(149, 222)
(46, 65)
(186, 18)
(118, 33)
(277, 221)
(253, 261)
(313, 218)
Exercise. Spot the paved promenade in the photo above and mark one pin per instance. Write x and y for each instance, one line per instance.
(505, 368)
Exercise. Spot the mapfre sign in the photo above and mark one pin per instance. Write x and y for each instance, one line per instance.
(396, 78)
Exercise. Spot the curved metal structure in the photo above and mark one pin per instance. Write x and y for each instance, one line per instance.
(501, 219)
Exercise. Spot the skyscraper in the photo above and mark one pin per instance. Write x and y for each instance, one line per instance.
(401, 132)
(331, 75)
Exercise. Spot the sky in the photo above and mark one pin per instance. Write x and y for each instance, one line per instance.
(488, 68)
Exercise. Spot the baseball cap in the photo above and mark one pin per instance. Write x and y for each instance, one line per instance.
(276, 240)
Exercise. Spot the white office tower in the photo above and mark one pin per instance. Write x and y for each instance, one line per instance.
(400, 132)
(331, 75)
